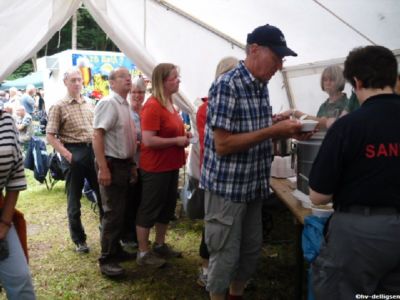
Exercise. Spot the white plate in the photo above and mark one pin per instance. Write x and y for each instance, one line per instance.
(321, 212)
(303, 198)
(308, 125)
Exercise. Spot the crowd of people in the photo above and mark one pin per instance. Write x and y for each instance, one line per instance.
(130, 151)
(25, 107)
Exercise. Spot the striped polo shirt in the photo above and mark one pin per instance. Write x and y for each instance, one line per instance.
(12, 176)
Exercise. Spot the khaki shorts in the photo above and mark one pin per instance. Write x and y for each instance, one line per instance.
(233, 234)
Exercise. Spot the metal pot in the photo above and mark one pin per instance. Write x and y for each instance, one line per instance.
(306, 152)
(282, 147)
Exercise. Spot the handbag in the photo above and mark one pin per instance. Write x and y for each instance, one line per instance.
(192, 197)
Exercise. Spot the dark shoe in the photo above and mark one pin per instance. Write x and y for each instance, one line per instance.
(125, 256)
(151, 260)
(82, 248)
(111, 269)
(165, 251)
(250, 284)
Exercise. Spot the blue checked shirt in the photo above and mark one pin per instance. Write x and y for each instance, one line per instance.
(238, 103)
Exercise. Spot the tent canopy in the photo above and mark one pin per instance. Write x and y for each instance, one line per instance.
(35, 78)
(195, 35)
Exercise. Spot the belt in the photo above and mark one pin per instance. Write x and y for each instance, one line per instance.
(369, 210)
(78, 144)
(119, 160)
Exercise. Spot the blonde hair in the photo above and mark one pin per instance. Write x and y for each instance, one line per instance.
(335, 73)
(226, 64)
(160, 73)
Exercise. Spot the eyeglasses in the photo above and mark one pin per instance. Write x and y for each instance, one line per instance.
(277, 59)
(138, 92)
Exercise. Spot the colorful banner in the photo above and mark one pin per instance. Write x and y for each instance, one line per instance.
(96, 69)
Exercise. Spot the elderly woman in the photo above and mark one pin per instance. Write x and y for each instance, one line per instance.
(14, 272)
(136, 98)
(332, 82)
(162, 155)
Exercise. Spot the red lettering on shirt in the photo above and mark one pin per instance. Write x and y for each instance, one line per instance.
(382, 150)
(370, 151)
(393, 149)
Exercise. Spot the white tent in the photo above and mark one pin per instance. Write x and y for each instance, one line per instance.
(196, 34)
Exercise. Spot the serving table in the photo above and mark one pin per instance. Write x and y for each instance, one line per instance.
(283, 189)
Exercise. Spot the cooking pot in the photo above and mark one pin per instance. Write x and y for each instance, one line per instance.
(282, 147)
(306, 152)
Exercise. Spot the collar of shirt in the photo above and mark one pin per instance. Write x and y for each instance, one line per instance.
(70, 99)
(118, 98)
(249, 78)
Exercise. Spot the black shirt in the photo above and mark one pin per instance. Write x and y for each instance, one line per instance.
(359, 159)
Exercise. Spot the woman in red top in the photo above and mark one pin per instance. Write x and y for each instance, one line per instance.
(162, 155)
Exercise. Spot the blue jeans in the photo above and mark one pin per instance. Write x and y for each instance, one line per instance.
(14, 271)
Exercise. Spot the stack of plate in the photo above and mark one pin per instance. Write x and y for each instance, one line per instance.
(303, 198)
(322, 211)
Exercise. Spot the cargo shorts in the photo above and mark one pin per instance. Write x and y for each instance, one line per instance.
(233, 235)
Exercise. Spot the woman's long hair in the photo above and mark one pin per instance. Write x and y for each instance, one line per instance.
(160, 73)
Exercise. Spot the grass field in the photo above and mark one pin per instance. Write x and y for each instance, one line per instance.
(60, 273)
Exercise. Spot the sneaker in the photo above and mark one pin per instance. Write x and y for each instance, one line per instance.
(165, 251)
(150, 259)
(82, 248)
(202, 279)
(111, 269)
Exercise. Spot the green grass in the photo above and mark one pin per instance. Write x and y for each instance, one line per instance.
(60, 273)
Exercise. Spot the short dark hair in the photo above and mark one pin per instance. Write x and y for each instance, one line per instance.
(375, 66)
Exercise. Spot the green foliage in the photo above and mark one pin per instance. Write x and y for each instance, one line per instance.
(91, 36)
(22, 70)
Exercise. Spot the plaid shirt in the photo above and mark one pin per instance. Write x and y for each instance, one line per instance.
(71, 120)
(238, 103)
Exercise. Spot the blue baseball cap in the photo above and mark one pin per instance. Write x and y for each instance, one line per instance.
(271, 37)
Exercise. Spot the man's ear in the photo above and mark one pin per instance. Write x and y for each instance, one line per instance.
(358, 82)
(253, 48)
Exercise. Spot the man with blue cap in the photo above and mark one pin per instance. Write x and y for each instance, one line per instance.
(237, 161)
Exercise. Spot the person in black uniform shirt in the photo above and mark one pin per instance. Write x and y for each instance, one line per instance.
(358, 167)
